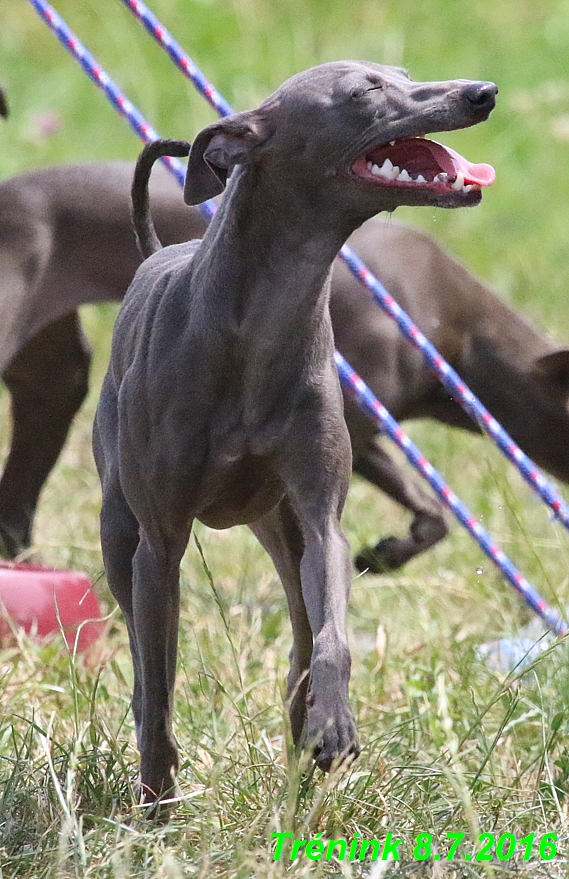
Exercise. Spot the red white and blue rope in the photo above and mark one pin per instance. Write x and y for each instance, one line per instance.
(116, 97)
(354, 385)
(447, 375)
(350, 380)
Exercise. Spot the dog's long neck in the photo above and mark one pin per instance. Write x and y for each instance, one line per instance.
(267, 258)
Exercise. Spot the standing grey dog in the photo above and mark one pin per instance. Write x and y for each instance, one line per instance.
(222, 400)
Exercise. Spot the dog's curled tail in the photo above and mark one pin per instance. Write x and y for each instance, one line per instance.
(3, 104)
(146, 237)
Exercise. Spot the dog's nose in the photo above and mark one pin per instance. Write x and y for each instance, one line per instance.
(481, 95)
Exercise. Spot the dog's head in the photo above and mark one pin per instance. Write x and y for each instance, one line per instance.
(351, 134)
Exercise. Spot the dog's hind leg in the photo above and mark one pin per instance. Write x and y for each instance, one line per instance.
(147, 591)
(156, 609)
(428, 525)
(279, 533)
(119, 541)
(48, 381)
(143, 541)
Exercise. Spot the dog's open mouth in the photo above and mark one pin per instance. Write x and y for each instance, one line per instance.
(415, 162)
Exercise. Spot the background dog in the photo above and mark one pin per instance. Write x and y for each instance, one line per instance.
(66, 240)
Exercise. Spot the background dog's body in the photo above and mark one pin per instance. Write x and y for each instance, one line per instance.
(66, 240)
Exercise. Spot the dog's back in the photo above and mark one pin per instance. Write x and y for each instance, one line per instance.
(66, 240)
(520, 375)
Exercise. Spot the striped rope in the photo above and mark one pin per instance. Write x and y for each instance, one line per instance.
(378, 413)
(351, 382)
(112, 92)
(447, 375)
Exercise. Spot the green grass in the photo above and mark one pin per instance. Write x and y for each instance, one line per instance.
(448, 744)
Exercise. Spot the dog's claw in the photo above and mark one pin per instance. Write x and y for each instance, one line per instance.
(154, 808)
(12, 541)
(332, 740)
(328, 761)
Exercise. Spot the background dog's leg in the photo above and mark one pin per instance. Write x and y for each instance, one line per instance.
(428, 525)
(280, 535)
(48, 381)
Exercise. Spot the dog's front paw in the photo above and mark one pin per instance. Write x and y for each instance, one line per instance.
(330, 734)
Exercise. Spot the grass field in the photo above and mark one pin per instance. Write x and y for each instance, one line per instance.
(449, 745)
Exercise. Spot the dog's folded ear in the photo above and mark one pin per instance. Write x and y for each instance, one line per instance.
(216, 150)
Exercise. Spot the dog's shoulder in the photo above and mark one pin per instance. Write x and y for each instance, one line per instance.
(156, 273)
(161, 283)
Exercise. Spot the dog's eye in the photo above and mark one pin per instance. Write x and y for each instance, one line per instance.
(360, 91)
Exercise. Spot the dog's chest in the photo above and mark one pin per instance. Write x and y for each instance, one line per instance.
(238, 491)
(240, 483)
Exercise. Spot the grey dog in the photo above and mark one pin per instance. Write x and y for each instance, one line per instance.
(222, 401)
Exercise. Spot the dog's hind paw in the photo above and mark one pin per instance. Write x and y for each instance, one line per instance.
(156, 808)
(385, 556)
(391, 553)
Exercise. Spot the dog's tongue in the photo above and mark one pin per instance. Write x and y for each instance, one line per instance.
(481, 175)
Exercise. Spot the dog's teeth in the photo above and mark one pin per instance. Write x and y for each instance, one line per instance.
(386, 170)
(369, 166)
(404, 176)
(420, 179)
(459, 182)
(468, 188)
(375, 170)
(391, 143)
(441, 178)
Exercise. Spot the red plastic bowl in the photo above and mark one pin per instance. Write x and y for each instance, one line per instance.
(33, 597)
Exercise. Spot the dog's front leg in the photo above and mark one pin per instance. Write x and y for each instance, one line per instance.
(316, 472)
(330, 729)
(325, 572)
(48, 381)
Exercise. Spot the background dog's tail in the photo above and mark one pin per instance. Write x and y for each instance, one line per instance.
(146, 237)
(3, 104)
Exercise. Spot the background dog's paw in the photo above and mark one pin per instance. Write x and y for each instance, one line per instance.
(387, 555)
